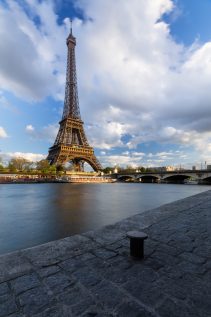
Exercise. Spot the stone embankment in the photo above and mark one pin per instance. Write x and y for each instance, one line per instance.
(92, 274)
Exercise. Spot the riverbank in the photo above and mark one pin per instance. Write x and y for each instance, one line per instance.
(92, 274)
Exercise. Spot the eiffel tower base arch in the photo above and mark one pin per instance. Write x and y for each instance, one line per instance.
(61, 154)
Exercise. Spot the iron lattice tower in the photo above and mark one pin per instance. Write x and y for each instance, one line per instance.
(71, 144)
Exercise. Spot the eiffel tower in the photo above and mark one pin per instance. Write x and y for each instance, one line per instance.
(71, 144)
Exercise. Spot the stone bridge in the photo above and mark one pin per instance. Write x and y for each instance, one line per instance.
(200, 176)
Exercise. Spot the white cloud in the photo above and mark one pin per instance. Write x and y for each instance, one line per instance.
(156, 87)
(120, 160)
(30, 55)
(29, 128)
(137, 159)
(134, 79)
(47, 133)
(3, 133)
(33, 157)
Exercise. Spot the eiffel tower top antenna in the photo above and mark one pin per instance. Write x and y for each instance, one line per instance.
(71, 27)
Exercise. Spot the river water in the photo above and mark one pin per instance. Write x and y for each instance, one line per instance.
(31, 214)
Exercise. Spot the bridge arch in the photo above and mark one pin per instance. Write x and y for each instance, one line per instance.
(205, 180)
(126, 178)
(176, 178)
(148, 178)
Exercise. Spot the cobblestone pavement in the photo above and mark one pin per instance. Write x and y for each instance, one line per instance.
(93, 275)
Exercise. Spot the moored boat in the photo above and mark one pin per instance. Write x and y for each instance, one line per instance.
(190, 182)
(89, 179)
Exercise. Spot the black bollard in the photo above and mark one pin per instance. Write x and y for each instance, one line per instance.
(137, 243)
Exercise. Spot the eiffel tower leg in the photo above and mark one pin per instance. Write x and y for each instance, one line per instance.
(78, 165)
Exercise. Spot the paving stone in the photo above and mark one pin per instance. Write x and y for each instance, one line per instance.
(104, 254)
(118, 244)
(142, 273)
(13, 265)
(124, 250)
(150, 246)
(149, 294)
(74, 264)
(203, 251)
(87, 277)
(107, 294)
(4, 288)
(17, 315)
(96, 311)
(124, 262)
(165, 258)
(120, 272)
(193, 258)
(191, 268)
(107, 235)
(81, 307)
(177, 291)
(4, 298)
(206, 281)
(35, 300)
(186, 245)
(56, 251)
(176, 309)
(171, 271)
(86, 257)
(117, 273)
(154, 263)
(201, 297)
(58, 282)
(24, 283)
(56, 311)
(49, 270)
(72, 295)
(131, 224)
(167, 249)
(98, 264)
(8, 307)
(132, 309)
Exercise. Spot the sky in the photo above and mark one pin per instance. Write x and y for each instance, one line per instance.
(143, 70)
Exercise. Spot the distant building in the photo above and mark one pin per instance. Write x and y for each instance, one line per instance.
(162, 169)
(170, 168)
(193, 168)
(209, 167)
(167, 168)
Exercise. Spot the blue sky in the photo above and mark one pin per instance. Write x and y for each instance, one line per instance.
(144, 75)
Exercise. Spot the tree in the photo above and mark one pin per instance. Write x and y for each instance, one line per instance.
(18, 164)
(1, 165)
(130, 169)
(60, 168)
(142, 169)
(52, 169)
(108, 169)
(29, 166)
(12, 168)
(45, 167)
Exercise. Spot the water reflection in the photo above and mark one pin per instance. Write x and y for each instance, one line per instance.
(31, 214)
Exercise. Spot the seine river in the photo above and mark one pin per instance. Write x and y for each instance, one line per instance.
(32, 214)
